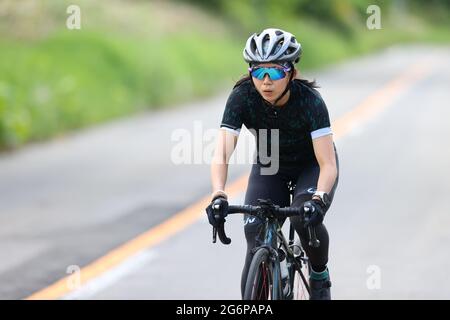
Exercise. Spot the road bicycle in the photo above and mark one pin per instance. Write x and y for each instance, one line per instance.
(279, 269)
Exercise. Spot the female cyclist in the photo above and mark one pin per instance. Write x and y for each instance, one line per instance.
(271, 98)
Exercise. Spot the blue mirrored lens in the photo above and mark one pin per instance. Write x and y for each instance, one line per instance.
(274, 73)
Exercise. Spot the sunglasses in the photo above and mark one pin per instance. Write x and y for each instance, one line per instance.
(275, 73)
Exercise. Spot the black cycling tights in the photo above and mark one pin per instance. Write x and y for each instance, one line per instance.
(275, 187)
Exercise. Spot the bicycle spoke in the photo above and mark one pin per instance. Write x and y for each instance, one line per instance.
(265, 290)
(262, 285)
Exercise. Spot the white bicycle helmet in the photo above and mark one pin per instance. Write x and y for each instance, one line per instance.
(272, 45)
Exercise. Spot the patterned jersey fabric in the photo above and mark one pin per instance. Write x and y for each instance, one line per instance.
(303, 118)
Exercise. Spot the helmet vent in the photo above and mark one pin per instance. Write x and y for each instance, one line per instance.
(272, 45)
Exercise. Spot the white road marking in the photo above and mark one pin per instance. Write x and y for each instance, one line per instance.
(112, 276)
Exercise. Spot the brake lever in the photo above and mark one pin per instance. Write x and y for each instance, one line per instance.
(222, 236)
(313, 241)
(214, 234)
(220, 229)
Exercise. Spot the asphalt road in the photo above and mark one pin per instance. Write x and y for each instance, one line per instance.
(69, 201)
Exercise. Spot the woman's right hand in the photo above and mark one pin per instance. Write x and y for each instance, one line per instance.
(219, 194)
(216, 217)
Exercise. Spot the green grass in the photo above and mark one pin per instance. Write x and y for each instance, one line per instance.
(54, 82)
(72, 79)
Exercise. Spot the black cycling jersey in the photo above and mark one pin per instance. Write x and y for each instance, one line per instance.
(303, 118)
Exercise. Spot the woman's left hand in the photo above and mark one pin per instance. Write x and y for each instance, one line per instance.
(316, 212)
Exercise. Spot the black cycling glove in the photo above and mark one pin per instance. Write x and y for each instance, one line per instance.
(217, 216)
(316, 212)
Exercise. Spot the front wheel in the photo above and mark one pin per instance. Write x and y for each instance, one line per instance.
(299, 284)
(263, 279)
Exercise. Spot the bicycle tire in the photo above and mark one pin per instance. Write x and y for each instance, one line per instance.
(260, 284)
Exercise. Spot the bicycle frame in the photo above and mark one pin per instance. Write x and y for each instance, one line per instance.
(271, 238)
(271, 229)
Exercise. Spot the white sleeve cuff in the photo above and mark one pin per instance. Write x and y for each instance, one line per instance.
(321, 132)
(233, 131)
